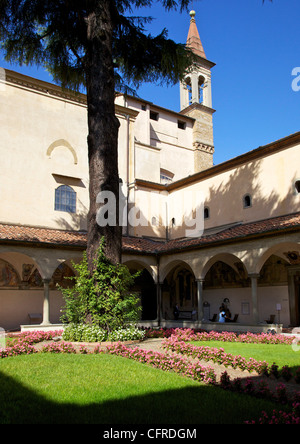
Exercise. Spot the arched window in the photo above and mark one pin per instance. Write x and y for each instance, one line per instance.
(166, 177)
(297, 186)
(201, 84)
(154, 221)
(206, 213)
(65, 199)
(188, 85)
(247, 201)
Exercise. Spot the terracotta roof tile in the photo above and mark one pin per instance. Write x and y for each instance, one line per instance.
(239, 232)
(20, 233)
(193, 39)
(52, 237)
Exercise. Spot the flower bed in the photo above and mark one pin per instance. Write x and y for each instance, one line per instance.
(23, 344)
(164, 362)
(250, 338)
(280, 417)
(216, 355)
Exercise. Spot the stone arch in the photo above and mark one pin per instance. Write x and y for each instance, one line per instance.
(283, 250)
(66, 144)
(9, 276)
(164, 271)
(139, 264)
(61, 276)
(45, 262)
(178, 287)
(145, 285)
(23, 294)
(230, 259)
(201, 86)
(25, 266)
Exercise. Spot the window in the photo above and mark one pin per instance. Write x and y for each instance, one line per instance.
(166, 177)
(154, 115)
(201, 88)
(247, 201)
(65, 199)
(188, 86)
(173, 222)
(297, 186)
(181, 125)
(206, 213)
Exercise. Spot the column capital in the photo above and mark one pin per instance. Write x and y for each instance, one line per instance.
(254, 275)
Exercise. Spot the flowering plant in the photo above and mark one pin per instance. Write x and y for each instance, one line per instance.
(216, 355)
(164, 362)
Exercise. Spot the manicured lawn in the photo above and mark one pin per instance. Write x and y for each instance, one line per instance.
(280, 354)
(105, 389)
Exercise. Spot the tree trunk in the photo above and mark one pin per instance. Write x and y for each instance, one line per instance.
(103, 131)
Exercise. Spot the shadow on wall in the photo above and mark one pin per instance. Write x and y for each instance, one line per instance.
(245, 194)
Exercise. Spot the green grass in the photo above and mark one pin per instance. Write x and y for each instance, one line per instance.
(280, 354)
(105, 389)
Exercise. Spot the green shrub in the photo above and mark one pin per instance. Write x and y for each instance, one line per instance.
(102, 298)
(84, 333)
(126, 334)
(91, 333)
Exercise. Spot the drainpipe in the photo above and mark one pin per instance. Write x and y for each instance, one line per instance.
(158, 292)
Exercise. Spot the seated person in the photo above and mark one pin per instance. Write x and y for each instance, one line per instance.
(227, 315)
(222, 315)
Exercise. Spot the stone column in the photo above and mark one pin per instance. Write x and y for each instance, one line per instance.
(159, 302)
(195, 88)
(46, 305)
(254, 278)
(200, 298)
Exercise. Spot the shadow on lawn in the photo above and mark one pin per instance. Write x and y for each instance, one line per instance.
(190, 405)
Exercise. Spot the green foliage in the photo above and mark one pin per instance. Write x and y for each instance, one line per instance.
(126, 334)
(54, 34)
(83, 333)
(91, 333)
(102, 299)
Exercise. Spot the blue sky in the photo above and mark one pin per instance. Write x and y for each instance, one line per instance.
(255, 48)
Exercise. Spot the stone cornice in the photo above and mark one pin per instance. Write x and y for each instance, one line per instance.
(195, 106)
(199, 146)
(56, 92)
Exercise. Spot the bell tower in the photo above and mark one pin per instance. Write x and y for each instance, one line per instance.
(196, 99)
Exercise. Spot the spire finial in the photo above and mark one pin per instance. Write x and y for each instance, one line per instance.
(192, 14)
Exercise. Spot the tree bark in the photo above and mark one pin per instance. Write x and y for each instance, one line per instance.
(103, 130)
